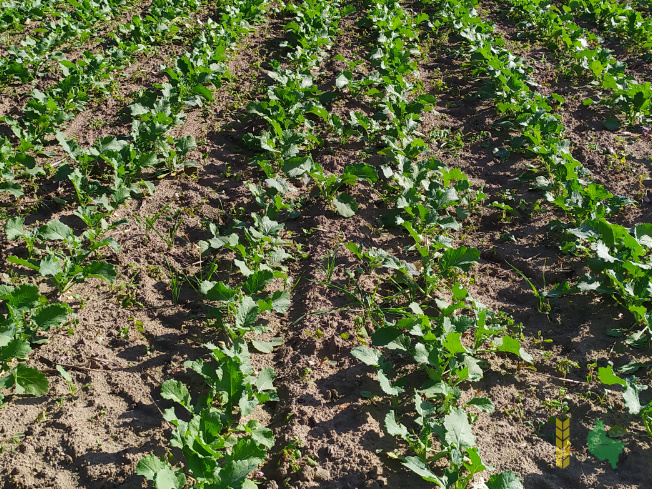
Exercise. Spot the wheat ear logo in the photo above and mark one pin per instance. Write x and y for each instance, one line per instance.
(562, 450)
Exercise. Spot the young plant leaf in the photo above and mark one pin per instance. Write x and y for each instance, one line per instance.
(463, 258)
(419, 467)
(345, 205)
(367, 355)
(100, 269)
(52, 315)
(607, 376)
(393, 427)
(29, 380)
(177, 392)
(505, 480)
(458, 430)
(603, 447)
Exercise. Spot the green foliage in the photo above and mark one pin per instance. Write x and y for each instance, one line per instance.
(603, 447)
(70, 263)
(219, 450)
(24, 313)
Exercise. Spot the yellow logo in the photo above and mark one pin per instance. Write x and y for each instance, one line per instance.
(562, 450)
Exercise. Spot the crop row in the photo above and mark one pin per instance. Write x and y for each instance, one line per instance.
(46, 113)
(618, 18)
(227, 460)
(619, 258)
(53, 250)
(412, 327)
(19, 14)
(30, 59)
(585, 57)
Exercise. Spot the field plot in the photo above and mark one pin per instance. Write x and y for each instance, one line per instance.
(325, 244)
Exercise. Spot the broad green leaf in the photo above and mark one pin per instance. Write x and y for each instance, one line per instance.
(367, 355)
(419, 467)
(185, 144)
(203, 91)
(52, 315)
(345, 205)
(297, 166)
(463, 258)
(266, 346)
(244, 269)
(149, 466)
(257, 281)
(14, 228)
(453, 343)
(387, 386)
(55, 231)
(392, 338)
(629, 368)
(16, 348)
(246, 313)
(341, 81)
(12, 188)
(109, 143)
(473, 369)
(261, 435)
(177, 392)
(603, 447)
(458, 430)
(630, 395)
(393, 427)
(363, 171)
(24, 297)
(475, 464)
(484, 404)
(505, 480)
(509, 344)
(166, 478)
(30, 381)
(100, 269)
(247, 403)
(244, 459)
(265, 380)
(217, 291)
(50, 266)
(643, 233)
(281, 301)
(607, 376)
(7, 382)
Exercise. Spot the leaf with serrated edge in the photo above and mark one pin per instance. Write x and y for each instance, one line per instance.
(603, 447)
(607, 376)
(367, 355)
(345, 205)
(393, 427)
(505, 480)
(458, 429)
(30, 381)
(177, 392)
(265, 381)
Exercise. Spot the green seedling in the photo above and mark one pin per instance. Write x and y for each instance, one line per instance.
(66, 376)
